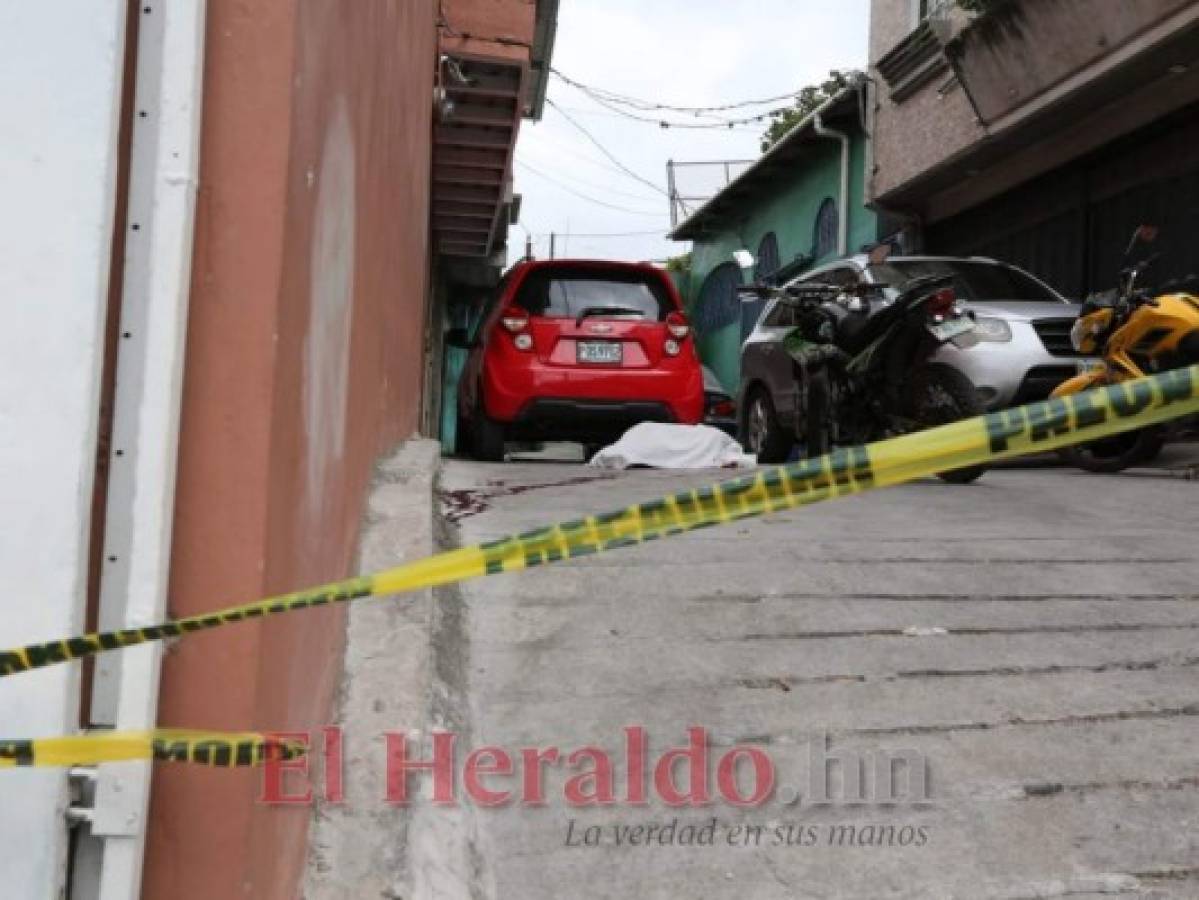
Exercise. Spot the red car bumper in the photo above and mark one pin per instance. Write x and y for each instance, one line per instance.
(536, 391)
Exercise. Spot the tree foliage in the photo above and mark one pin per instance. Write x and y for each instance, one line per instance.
(680, 265)
(806, 102)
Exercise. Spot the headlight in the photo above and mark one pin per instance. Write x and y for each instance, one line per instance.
(997, 331)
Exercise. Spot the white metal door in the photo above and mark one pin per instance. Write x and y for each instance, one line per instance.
(60, 96)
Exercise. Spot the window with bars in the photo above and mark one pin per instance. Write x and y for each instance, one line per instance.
(824, 232)
(768, 257)
(718, 305)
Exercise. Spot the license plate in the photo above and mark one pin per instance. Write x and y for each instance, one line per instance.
(947, 331)
(604, 352)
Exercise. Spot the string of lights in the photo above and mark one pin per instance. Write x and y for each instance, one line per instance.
(721, 125)
(650, 105)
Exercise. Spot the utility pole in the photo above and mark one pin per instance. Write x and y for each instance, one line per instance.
(553, 243)
(528, 245)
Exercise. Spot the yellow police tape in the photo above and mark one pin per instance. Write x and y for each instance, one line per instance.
(1030, 429)
(208, 748)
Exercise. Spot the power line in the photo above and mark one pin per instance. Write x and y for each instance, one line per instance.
(570, 190)
(593, 186)
(563, 148)
(604, 149)
(646, 105)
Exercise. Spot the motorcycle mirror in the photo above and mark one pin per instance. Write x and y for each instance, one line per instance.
(1145, 234)
(744, 259)
(880, 254)
(751, 293)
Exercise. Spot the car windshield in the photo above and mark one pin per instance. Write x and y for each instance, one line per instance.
(976, 282)
(568, 294)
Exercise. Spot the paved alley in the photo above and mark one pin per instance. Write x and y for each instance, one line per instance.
(1031, 639)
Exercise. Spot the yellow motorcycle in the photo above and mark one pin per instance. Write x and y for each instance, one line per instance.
(1136, 333)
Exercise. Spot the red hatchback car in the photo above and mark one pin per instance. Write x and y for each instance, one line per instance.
(577, 350)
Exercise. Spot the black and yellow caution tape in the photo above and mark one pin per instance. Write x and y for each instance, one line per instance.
(207, 748)
(1029, 429)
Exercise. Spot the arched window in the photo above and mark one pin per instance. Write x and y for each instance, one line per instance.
(718, 305)
(768, 257)
(824, 237)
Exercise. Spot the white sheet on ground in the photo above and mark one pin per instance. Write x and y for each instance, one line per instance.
(662, 446)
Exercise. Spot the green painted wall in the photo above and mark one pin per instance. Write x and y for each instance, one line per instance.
(459, 313)
(790, 212)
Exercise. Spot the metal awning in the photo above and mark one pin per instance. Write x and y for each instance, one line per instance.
(472, 153)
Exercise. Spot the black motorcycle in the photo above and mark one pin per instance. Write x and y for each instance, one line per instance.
(864, 367)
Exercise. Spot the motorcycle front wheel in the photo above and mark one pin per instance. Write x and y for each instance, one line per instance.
(940, 396)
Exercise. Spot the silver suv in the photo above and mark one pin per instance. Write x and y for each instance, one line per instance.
(1024, 350)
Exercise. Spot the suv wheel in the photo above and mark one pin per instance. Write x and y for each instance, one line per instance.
(763, 436)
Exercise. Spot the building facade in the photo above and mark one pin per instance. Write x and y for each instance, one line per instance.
(228, 224)
(798, 206)
(1041, 132)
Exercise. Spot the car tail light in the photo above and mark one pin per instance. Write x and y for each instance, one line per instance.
(515, 319)
(942, 302)
(672, 347)
(677, 325)
(722, 408)
(523, 341)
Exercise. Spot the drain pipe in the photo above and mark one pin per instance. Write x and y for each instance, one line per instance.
(843, 209)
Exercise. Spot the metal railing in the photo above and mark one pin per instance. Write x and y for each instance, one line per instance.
(699, 183)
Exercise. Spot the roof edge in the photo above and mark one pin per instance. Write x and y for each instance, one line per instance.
(545, 34)
(689, 227)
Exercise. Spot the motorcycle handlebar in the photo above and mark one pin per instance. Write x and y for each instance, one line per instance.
(819, 292)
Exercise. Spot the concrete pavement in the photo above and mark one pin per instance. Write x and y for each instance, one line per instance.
(1029, 641)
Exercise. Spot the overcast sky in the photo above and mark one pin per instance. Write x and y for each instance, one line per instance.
(679, 52)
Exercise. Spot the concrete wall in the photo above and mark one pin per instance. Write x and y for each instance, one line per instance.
(305, 350)
(472, 26)
(1015, 62)
(790, 212)
(927, 127)
(1026, 48)
(890, 22)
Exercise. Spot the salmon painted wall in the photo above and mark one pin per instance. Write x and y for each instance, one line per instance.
(304, 363)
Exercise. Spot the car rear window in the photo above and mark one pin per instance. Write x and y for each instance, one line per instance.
(568, 294)
(974, 281)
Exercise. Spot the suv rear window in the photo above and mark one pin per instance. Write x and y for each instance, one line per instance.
(568, 294)
(978, 282)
